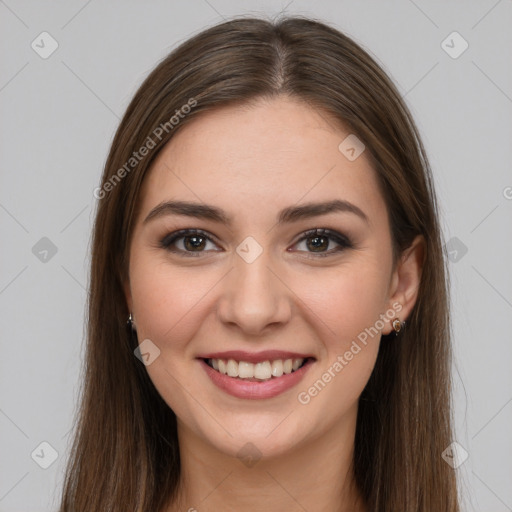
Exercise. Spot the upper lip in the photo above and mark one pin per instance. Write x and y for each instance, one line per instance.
(255, 357)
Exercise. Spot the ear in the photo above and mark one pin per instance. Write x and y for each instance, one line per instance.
(406, 280)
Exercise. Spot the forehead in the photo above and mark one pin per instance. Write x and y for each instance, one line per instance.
(270, 154)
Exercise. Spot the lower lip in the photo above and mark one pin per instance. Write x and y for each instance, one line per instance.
(256, 390)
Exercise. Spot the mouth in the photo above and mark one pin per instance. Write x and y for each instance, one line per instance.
(257, 372)
(259, 375)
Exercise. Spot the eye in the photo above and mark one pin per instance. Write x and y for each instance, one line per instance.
(319, 239)
(191, 241)
(194, 242)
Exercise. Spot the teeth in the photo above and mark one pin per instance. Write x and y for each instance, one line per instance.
(245, 370)
(296, 364)
(277, 368)
(263, 370)
(232, 368)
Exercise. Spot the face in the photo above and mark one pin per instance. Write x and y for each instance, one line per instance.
(253, 285)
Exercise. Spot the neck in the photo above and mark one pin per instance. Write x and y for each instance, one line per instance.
(316, 475)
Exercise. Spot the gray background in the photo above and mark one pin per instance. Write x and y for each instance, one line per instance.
(58, 116)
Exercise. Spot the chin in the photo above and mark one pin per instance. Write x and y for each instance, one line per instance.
(262, 438)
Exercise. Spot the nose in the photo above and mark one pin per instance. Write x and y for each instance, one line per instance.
(255, 297)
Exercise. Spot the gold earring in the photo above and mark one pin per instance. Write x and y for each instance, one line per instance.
(397, 325)
(130, 321)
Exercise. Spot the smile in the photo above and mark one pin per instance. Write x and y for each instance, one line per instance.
(261, 371)
(255, 375)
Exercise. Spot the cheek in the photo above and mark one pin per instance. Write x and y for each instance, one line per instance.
(350, 303)
(167, 299)
(347, 300)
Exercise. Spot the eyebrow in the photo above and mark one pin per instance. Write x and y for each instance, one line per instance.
(287, 215)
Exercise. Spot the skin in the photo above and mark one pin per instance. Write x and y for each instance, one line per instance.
(276, 153)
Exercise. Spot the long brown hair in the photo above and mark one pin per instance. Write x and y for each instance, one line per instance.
(125, 452)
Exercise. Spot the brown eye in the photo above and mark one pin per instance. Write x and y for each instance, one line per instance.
(318, 240)
(186, 242)
(318, 243)
(194, 242)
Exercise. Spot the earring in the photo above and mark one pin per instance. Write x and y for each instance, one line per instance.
(130, 321)
(397, 325)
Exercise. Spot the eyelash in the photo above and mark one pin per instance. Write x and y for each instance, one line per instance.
(343, 241)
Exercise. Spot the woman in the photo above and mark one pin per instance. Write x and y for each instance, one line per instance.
(267, 223)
